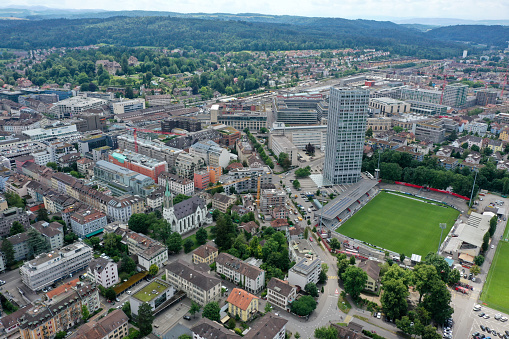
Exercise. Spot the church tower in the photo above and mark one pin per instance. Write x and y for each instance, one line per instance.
(168, 210)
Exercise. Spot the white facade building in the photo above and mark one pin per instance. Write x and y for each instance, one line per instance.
(48, 133)
(304, 272)
(127, 105)
(251, 277)
(177, 185)
(47, 268)
(103, 272)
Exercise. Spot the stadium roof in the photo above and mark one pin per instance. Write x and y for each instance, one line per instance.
(347, 198)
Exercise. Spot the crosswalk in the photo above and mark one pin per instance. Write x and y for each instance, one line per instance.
(333, 277)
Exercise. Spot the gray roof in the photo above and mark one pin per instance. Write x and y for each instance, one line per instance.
(189, 272)
(188, 207)
(209, 329)
(238, 265)
(267, 327)
(98, 264)
(280, 286)
(306, 266)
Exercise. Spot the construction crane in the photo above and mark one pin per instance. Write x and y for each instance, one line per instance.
(144, 130)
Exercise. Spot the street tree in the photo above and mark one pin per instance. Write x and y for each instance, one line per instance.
(311, 289)
(335, 244)
(188, 245)
(174, 242)
(8, 251)
(424, 278)
(437, 302)
(475, 270)
(195, 308)
(211, 311)
(454, 277)
(343, 263)
(145, 319)
(394, 298)
(493, 225)
(479, 260)
(201, 236)
(85, 313)
(326, 333)
(303, 306)
(396, 272)
(430, 332)
(442, 267)
(110, 294)
(153, 270)
(354, 281)
(296, 184)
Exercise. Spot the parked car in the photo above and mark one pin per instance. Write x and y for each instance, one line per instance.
(379, 315)
(186, 317)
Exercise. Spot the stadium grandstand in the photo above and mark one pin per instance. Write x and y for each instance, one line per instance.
(347, 203)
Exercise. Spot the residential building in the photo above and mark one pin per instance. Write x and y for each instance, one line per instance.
(121, 209)
(201, 287)
(153, 149)
(477, 127)
(185, 216)
(109, 66)
(114, 325)
(280, 144)
(455, 95)
(345, 135)
(17, 183)
(214, 173)
(270, 326)
(212, 153)
(426, 108)
(154, 294)
(84, 164)
(271, 199)
(242, 304)
(122, 180)
(48, 268)
(280, 293)
(186, 164)
(305, 271)
(205, 254)
(251, 277)
(141, 164)
(20, 246)
(247, 179)
(52, 232)
(201, 179)
(60, 312)
(229, 135)
(222, 201)
(86, 223)
(208, 329)
(495, 145)
(177, 185)
(148, 250)
(186, 123)
(485, 97)
(103, 272)
(373, 271)
(9, 216)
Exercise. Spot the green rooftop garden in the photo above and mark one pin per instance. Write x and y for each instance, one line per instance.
(147, 293)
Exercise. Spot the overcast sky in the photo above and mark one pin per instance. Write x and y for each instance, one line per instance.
(351, 9)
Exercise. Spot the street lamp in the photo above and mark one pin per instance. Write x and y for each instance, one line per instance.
(442, 226)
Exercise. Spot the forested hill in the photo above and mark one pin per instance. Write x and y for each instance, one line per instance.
(223, 35)
(478, 34)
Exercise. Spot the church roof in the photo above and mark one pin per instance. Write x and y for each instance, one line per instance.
(188, 207)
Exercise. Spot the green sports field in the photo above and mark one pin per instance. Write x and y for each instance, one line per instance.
(400, 224)
(496, 289)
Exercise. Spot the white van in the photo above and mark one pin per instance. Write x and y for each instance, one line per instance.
(225, 288)
(477, 307)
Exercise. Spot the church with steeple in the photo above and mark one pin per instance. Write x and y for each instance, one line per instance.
(187, 215)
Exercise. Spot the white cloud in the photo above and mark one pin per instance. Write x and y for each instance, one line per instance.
(460, 9)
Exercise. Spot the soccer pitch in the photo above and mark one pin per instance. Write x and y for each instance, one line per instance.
(400, 224)
(496, 290)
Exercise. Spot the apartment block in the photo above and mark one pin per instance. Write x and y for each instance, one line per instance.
(280, 293)
(304, 272)
(86, 223)
(103, 272)
(177, 185)
(251, 277)
(271, 199)
(205, 254)
(148, 250)
(9, 216)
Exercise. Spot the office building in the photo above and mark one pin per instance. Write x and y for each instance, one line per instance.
(433, 131)
(122, 180)
(427, 108)
(389, 106)
(51, 132)
(280, 144)
(76, 105)
(154, 294)
(127, 105)
(48, 268)
(301, 136)
(254, 121)
(305, 271)
(346, 130)
(455, 95)
(200, 287)
(185, 123)
(139, 163)
(213, 154)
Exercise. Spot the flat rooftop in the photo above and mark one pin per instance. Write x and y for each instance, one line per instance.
(151, 291)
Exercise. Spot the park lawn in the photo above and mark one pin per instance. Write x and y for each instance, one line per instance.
(193, 237)
(496, 289)
(400, 224)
